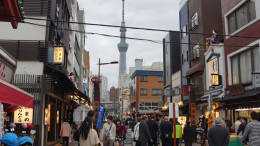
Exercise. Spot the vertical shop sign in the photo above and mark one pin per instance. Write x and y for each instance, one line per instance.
(213, 69)
(100, 116)
(193, 114)
(58, 55)
(23, 115)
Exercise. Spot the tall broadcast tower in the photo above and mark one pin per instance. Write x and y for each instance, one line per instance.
(122, 46)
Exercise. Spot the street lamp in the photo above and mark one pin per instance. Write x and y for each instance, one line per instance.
(112, 62)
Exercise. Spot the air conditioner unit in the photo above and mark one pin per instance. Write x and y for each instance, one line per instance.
(256, 79)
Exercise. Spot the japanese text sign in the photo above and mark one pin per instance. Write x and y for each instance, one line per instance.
(58, 56)
(101, 110)
(23, 115)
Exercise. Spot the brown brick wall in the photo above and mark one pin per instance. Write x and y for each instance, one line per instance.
(114, 94)
(152, 83)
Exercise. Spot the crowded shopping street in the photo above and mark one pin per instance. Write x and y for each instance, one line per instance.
(129, 72)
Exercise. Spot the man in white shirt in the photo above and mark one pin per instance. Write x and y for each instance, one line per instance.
(108, 133)
(237, 123)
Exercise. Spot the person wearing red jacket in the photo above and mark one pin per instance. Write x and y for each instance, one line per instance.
(120, 133)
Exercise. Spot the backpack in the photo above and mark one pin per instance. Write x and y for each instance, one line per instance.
(76, 135)
(136, 133)
(106, 134)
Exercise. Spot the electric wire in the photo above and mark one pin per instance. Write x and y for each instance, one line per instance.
(137, 28)
(139, 39)
(133, 38)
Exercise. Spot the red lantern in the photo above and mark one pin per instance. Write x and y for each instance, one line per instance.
(30, 126)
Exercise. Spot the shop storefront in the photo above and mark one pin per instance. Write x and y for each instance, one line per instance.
(16, 105)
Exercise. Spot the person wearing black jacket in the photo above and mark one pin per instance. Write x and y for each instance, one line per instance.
(188, 134)
(144, 134)
(153, 128)
(166, 131)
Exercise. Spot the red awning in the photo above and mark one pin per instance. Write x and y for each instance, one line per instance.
(13, 95)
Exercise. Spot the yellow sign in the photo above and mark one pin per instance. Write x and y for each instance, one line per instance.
(23, 115)
(213, 69)
(58, 55)
(214, 79)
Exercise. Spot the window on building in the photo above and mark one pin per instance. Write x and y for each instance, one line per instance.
(143, 78)
(198, 84)
(148, 106)
(194, 20)
(184, 31)
(157, 92)
(243, 64)
(143, 91)
(242, 16)
(161, 78)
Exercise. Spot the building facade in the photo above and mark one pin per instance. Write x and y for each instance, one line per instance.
(103, 88)
(114, 94)
(204, 17)
(185, 51)
(146, 86)
(42, 69)
(171, 62)
(241, 18)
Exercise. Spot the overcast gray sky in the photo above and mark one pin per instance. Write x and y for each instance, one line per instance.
(161, 14)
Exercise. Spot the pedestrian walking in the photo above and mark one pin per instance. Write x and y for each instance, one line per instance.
(9, 139)
(178, 133)
(166, 130)
(242, 126)
(144, 134)
(235, 126)
(252, 131)
(136, 129)
(25, 141)
(108, 132)
(218, 135)
(65, 132)
(88, 135)
(153, 129)
(120, 133)
(188, 134)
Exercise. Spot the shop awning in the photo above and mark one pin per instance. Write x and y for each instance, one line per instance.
(13, 95)
(197, 68)
(248, 93)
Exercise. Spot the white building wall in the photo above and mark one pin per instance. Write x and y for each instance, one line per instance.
(29, 67)
(176, 82)
(103, 89)
(24, 31)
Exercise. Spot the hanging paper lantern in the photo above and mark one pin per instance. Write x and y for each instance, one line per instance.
(12, 125)
(30, 126)
(24, 126)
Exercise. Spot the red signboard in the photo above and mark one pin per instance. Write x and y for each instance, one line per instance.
(185, 91)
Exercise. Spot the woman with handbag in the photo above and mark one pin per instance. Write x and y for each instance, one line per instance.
(120, 133)
(88, 136)
(108, 132)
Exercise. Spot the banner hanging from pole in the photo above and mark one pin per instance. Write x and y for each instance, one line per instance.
(101, 110)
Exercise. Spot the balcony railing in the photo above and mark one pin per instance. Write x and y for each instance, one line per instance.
(26, 50)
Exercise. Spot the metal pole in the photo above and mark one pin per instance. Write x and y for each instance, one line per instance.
(174, 124)
(99, 69)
